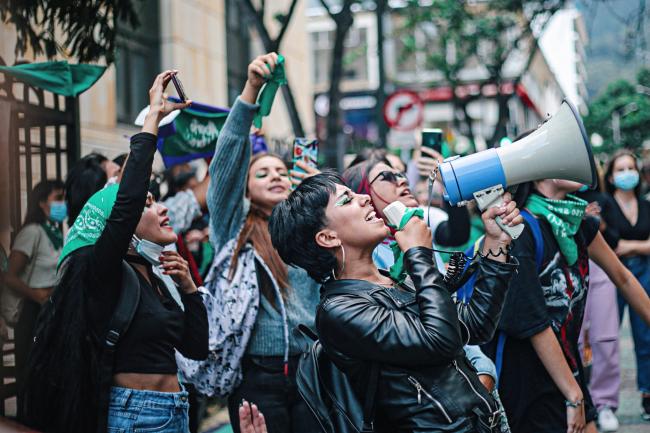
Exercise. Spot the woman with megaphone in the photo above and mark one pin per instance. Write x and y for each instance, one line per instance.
(404, 323)
(541, 381)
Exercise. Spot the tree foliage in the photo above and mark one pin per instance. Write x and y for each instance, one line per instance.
(84, 29)
(624, 97)
(460, 36)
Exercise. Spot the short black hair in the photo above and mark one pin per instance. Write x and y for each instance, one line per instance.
(295, 221)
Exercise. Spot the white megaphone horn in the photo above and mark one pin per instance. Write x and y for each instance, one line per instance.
(558, 149)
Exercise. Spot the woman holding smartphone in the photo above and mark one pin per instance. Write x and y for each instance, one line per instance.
(254, 299)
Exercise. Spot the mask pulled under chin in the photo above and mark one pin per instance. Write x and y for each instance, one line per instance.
(150, 251)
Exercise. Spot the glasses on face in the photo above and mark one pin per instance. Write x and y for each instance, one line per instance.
(390, 176)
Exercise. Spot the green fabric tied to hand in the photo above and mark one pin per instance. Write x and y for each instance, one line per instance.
(265, 100)
(61, 77)
(397, 271)
(565, 217)
(90, 223)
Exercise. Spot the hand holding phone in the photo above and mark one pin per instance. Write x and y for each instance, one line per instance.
(305, 159)
(179, 87)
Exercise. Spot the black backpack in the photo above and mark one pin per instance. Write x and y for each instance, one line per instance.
(328, 392)
(97, 372)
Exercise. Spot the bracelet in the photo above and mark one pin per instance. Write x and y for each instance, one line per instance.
(574, 404)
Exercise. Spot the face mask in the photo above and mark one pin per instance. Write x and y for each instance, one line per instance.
(584, 188)
(111, 181)
(626, 180)
(58, 211)
(150, 251)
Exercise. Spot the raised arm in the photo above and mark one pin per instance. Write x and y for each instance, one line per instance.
(112, 245)
(482, 314)
(358, 327)
(229, 167)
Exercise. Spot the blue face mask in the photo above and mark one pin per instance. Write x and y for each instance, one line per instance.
(584, 188)
(149, 250)
(58, 211)
(626, 180)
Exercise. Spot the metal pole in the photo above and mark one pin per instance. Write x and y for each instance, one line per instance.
(381, 96)
(616, 127)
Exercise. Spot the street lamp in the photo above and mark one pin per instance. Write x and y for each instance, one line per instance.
(617, 114)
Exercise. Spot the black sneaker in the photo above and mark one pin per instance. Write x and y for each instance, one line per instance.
(645, 403)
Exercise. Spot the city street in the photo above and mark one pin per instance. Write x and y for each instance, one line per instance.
(630, 410)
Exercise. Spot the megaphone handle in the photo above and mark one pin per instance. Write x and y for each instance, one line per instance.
(493, 197)
(514, 231)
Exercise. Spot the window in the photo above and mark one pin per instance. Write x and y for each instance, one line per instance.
(137, 61)
(237, 48)
(355, 57)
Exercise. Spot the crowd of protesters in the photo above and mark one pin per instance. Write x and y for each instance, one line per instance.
(129, 310)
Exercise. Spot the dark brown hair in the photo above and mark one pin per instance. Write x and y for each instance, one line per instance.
(609, 172)
(256, 231)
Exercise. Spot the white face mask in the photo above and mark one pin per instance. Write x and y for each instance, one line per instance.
(150, 251)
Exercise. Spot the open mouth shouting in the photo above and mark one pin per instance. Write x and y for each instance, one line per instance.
(372, 218)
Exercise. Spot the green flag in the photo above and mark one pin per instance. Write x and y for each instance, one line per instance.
(60, 77)
(265, 100)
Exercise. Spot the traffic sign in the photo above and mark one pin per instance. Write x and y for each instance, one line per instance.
(403, 110)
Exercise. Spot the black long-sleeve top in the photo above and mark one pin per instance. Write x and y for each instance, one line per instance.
(455, 231)
(159, 324)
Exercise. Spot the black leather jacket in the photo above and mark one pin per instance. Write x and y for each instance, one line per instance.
(417, 335)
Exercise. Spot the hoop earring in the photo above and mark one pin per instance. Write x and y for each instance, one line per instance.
(342, 266)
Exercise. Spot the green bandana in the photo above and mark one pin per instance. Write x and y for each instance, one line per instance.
(565, 217)
(90, 223)
(265, 100)
(54, 235)
(397, 271)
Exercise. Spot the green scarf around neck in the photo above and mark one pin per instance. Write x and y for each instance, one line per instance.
(265, 100)
(90, 223)
(397, 271)
(565, 217)
(53, 234)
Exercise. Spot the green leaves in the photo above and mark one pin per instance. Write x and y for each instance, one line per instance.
(87, 28)
(633, 108)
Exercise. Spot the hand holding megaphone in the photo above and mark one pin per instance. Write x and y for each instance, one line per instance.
(495, 218)
(415, 233)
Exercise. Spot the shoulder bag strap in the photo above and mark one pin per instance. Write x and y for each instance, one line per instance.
(122, 316)
(539, 259)
(369, 400)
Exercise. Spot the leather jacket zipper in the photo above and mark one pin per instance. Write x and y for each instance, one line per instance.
(420, 389)
(471, 385)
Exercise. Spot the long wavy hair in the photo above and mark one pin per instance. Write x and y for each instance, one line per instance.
(61, 390)
(256, 232)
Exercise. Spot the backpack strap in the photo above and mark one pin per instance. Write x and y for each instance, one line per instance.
(122, 316)
(533, 223)
(373, 381)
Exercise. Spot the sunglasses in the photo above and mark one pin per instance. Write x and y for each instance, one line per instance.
(390, 176)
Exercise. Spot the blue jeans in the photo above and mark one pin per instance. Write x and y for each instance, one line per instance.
(640, 267)
(133, 411)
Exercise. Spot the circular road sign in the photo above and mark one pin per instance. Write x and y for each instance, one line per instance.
(403, 110)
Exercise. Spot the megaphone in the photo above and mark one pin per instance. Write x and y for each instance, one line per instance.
(558, 149)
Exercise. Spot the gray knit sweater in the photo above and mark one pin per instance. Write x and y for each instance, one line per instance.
(228, 208)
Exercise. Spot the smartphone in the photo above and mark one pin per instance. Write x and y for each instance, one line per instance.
(432, 138)
(179, 87)
(305, 150)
